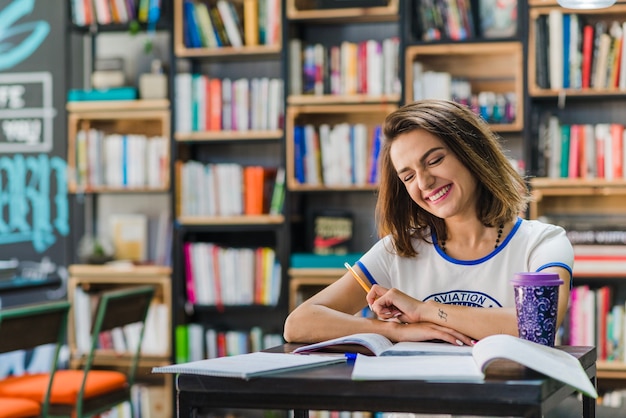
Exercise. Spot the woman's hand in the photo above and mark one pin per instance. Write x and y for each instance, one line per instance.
(390, 304)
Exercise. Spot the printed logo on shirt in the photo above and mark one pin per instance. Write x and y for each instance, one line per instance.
(465, 298)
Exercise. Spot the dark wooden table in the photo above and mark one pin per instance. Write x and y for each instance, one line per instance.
(508, 390)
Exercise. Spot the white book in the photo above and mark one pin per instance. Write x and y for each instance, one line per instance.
(211, 343)
(230, 24)
(183, 89)
(359, 154)
(312, 156)
(272, 90)
(555, 37)
(328, 155)
(248, 366)
(242, 104)
(391, 63)
(195, 337)
(82, 320)
(554, 146)
(295, 67)
(418, 80)
(374, 65)
(227, 112)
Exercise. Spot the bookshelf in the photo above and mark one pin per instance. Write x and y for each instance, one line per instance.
(576, 187)
(212, 142)
(119, 164)
(89, 280)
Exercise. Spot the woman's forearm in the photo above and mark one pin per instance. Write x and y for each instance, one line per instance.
(474, 322)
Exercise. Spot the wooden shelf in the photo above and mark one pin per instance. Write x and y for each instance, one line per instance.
(307, 10)
(615, 12)
(494, 66)
(303, 282)
(576, 196)
(142, 117)
(95, 278)
(328, 99)
(232, 220)
(368, 114)
(209, 136)
(244, 52)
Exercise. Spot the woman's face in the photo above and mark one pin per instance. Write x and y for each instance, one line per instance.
(433, 175)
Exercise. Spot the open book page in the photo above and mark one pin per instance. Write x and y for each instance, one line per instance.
(246, 366)
(410, 348)
(374, 343)
(435, 367)
(547, 360)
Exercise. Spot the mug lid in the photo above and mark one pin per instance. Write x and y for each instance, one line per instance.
(536, 279)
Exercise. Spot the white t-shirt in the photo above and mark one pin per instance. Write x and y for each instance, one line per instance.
(433, 275)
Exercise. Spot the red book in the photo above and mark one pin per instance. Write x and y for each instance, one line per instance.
(587, 55)
(191, 290)
(214, 108)
(253, 185)
(574, 151)
(617, 132)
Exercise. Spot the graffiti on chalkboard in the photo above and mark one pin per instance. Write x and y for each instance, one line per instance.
(33, 200)
(26, 110)
(28, 35)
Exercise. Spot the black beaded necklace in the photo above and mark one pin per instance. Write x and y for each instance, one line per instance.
(442, 244)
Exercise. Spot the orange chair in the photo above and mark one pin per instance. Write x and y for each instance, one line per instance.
(24, 328)
(88, 392)
(19, 408)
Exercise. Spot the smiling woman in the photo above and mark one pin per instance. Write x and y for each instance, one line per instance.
(451, 239)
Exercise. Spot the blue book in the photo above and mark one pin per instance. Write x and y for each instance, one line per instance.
(566, 49)
(376, 142)
(299, 151)
(191, 25)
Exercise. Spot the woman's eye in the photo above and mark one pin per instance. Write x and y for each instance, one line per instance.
(407, 178)
(435, 160)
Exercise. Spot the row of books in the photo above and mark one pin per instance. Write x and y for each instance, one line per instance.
(599, 241)
(343, 154)
(491, 106)
(120, 160)
(121, 340)
(230, 189)
(594, 319)
(367, 67)
(573, 53)
(444, 19)
(581, 150)
(105, 12)
(195, 342)
(228, 23)
(205, 103)
(148, 401)
(225, 276)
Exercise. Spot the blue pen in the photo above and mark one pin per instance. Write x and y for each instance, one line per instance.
(350, 357)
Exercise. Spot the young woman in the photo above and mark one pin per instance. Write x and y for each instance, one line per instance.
(448, 212)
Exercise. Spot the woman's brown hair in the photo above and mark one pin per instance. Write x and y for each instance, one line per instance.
(502, 192)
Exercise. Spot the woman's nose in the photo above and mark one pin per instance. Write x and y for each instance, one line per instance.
(424, 179)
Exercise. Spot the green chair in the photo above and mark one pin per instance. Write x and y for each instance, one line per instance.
(88, 391)
(25, 328)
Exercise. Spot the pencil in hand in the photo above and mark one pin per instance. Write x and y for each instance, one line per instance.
(358, 278)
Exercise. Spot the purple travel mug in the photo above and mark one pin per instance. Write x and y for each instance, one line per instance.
(536, 302)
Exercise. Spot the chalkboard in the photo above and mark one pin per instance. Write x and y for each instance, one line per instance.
(34, 205)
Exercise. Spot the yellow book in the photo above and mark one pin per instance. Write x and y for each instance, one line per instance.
(251, 22)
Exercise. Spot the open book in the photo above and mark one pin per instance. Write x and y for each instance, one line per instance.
(379, 345)
(406, 361)
(247, 366)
